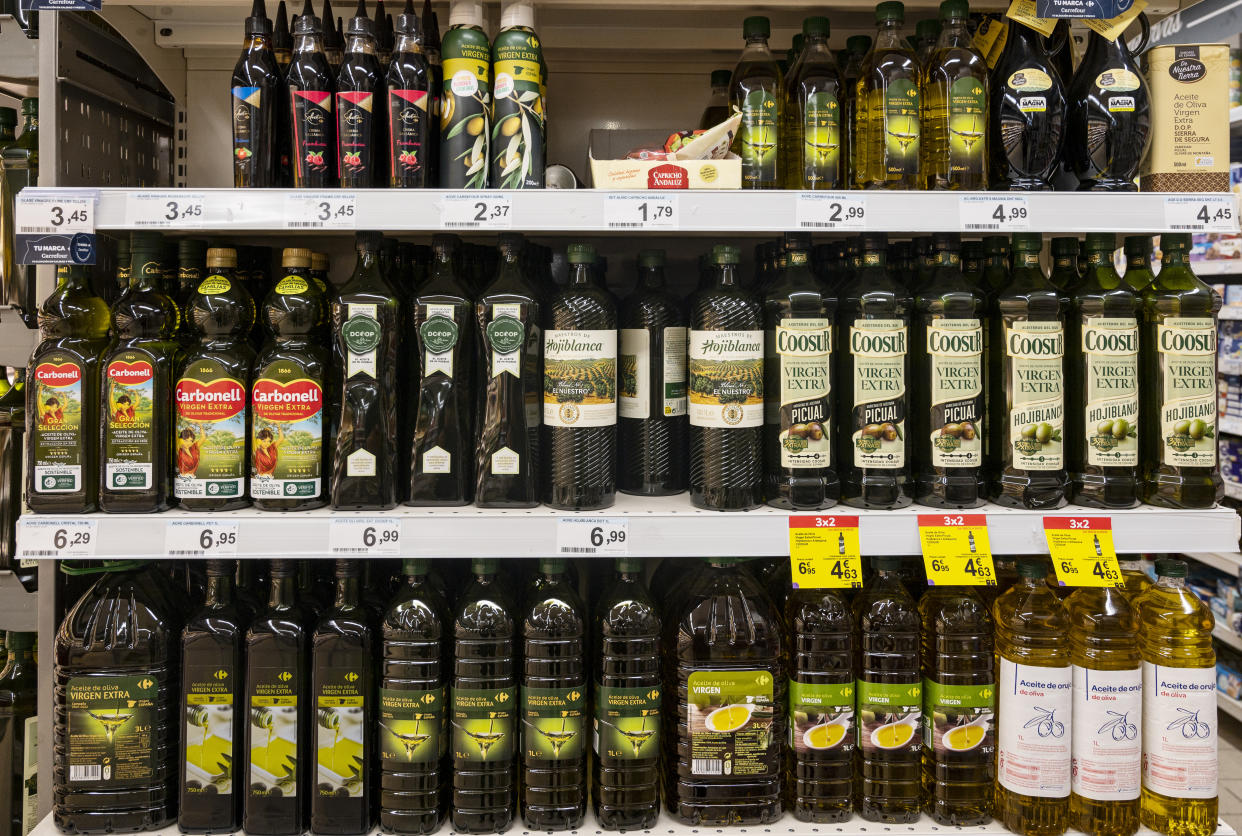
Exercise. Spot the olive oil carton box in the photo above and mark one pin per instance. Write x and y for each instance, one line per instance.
(611, 170)
(1190, 119)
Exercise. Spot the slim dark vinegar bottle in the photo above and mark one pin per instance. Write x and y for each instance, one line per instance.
(410, 105)
(360, 117)
(312, 92)
(256, 88)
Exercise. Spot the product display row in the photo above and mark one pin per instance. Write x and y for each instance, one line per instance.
(354, 697)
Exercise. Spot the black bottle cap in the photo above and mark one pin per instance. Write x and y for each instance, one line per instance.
(280, 36)
(306, 23)
(408, 23)
(874, 241)
(258, 23)
(360, 24)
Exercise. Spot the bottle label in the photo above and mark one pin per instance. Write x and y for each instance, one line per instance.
(821, 717)
(553, 723)
(208, 742)
(959, 718)
(214, 284)
(730, 715)
(726, 378)
(889, 715)
(821, 141)
(247, 103)
(506, 462)
(1180, 726)
(1110, 355)
(211, 432)
(286, 445)
(464, 133)
(505, 335)
(341, 732)
(407, 134)
(129, 431)
(355, 133)
(1187, 351)
(968, 124)
(901, 128)
(1036, 352)
(955, 349)
(111, 719)
(1033, 756)
(634, 374)
(1118, 79)
(1027, 85)
(57, 436)
(361, 333)
(274, 754)
(758, 135)
(412, 726)
(878, 422)
(30, 772)
(517, 112)
(1107, 750)
(675, 400)
(627, 722)
(484, 724)
(439, 333)
(580, 378)
(312, 133)
(802, 350)
(291, 286)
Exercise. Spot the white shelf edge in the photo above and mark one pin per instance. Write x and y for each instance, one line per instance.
(1217, 268)
(1230, 562)
(1229, 705)
(19, 609)
(1223, 634)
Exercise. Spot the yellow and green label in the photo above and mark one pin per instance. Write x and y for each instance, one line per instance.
(484, 724)
(758, 135)
(1187, 352)
(730, 715)
(273, 731)
(412, 725)
(821, 716)
(553, 723)
(110, 741)
(517, 111)
(56, 432)
(1035, 354)
(889, 716)
(821, 141)
(466, 107)
(627, 722)
(129, 427)
(959, 718)
(967, 126)
(208, 744)
(901, 128)
(211, 431)
(1110, 357)
(340, 731)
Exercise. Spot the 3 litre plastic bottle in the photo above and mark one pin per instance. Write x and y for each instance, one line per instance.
(1035, 692)
(1106, 715)
(890, 697)
(1180, 723)
(1134, 574)
(726, 695)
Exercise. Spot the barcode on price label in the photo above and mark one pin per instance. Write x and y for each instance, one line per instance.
(831, 210)
(592, 535)
(476, 210)
(166, 210)
(321, 210)
(641, 211)
(992, 214)
(42, 537)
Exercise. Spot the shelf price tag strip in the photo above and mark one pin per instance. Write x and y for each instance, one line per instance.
(1201, 213)
(55, 226)
(166, 210)
(956, 551)
(200, 538)
(978, 213)
(321, 210)
(644, 210)
(476, 210)
(824, 552)
(1082, 551)
(831, 210)
(46, 537)
(364, 536)
(608, 536)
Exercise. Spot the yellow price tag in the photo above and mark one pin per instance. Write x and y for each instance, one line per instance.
(1112, 28)
(1082, 551)
(824, 552)
(956, 551)
(1024, 12)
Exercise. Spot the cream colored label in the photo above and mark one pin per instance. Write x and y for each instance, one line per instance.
(955, 348)
(1036, 354)
(1189, 88)
(1118, 80)
(360, 463)
(1110, 359)
(1187, 351)
(634, 374)
(437, 460)
(804, 351)
(877, 423)
(505, 462)
(580, 378)
(442, 362)
(726, 378)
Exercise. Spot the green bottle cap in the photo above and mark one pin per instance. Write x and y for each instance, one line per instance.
(552, 565)
(580, 254)
(1064, 246)
(890, 10)
(1098, 242)
(191, 249)
(927, 30)
(484, 566)
(950, 241)
(726, 254)
(814, 26)
(954, 10)
(30, 107)
(797, 241)
(1175, 241)
(17, 641)
(415, 566)
(887, 562)
(651, 258)
(8, 117)
(996, 245)
(972, 249)
(1027, 242)
(629, 564)
(1029, 567)
(1167, 567)
(756, 27)
(721, 78)
(858, 44)
(1138, 245)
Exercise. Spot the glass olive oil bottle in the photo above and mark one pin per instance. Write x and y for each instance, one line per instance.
(625, 778)
(813, 128)
(1179, 368)
(484, 706)
(757, 90)
(62, 399)
(1028, 384)
(361, 117)
(19, 725)
(1138, 250)
(798, 317)
(1034, 683)
(887, 129)
(947, 418)
(1064, 272)
(1103, 395)
(466, 102)
(1026, 113)
(857, 47)
(312, 93)
(257, 87)
(954, 143)
(873, 365)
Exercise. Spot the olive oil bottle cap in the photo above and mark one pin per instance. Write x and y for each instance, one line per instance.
(552, 565)
(874, 241)
(517, 14)
(1179, 241)
(466, 13)
(1064, 246)
(927, 30)
(146, 242)
(1032, 568)
(651, 258)
(191, 249)
(797, 241)
(814, 26)
(954, 10)
(1138, 245)
(8, 115)
(858, 44)
(756, 27)
(886, 562)
(257, 24)
(890, 10)
(1167, 567)
(947, 241)
(221, 257)
(996, 245)
(484, 566)
(296, 257)
(580, 254)
(629, 564)
(726, 254)
(415, 566)
(1099, 242)
(319, 261)
(1027, 242)
(720, 78)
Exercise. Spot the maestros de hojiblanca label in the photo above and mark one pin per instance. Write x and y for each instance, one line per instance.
(877, 425)
(1036, 355)
(955, 349)
(1110, 357)
(726, 378)
(1187, 351)
(580, 378)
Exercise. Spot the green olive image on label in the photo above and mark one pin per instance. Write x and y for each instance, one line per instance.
(1030, 81)
(290, 285)
(505, 334)
(214, 284)
(439, 334)
(361, 333)
(1118, 80)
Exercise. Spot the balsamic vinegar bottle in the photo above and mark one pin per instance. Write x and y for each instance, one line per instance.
(410, 113)
(360, 120)
(282, 50)
(580, 391)
(333, 45)
(1026, 116)
(257, 87)
(312, 90)
(1108, 129)
(431, 46)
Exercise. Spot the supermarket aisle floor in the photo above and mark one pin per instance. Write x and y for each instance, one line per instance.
(1230, 754)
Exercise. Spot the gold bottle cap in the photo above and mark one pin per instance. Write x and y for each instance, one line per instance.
(319, 261)
(221, 257)
(295, 257)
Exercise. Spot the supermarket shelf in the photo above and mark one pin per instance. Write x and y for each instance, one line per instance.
(1235, 118)
(1230, 562)
(1230, 425)
(19, 609)
(1230, 706)
(1222, 633)
(654, 527)
(589, 210)
(16, 340)
(1217, 268)
(1230, 312)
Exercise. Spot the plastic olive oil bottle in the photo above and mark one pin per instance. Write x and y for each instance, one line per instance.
(466, 103)
(813, 127)
(726, 693)
(1035, 693)
(959, 706)
(955, 104)
(890, 697)
(1180, 723)
(1107, 712)
(1134, 574)
(518, 116)
(757, 90)
(887, 122)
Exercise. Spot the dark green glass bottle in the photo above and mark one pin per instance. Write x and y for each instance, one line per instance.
(191, 270)
(1065, 275)
(1138, 249)
(996, 263)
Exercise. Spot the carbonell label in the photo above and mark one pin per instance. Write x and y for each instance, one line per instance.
(878, 420)
(726, 378)
(580, 378)
(56, 431)
(1036, 354)
(1187, 351)
(1033, 752)
(955, 348)
(211, 432)
(1179, 731)
(1110, 359)
(1107, 746)
(286, 445)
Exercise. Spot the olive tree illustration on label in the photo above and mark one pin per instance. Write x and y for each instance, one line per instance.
(517, 112)
(211, 432)
(878, 428)
(1036, 352)
(287, 434)
(955, 347)
(1187, 349)
(1110, 355)
(580, 378)
(726, 378)
(56, 431)
(129, 434)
